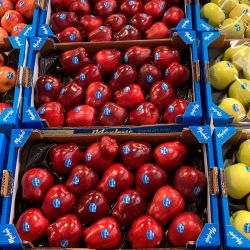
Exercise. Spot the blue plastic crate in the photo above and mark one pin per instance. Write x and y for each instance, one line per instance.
(184, 39)
(45, 15)
(232, 238)
(11, 117)
(201, 136)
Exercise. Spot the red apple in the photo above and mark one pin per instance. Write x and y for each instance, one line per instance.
(190, 182)
(70, 34)
(116, 22)
(26, 8)
(100, 155)
(124, 74)
(103, 234)
(112, 114)
(161, 94)
(176, 107)
(130, 8)
(62, 20)
(114, 181)
(158, 31)
(177, 75)
(89, 23)
(170, 155)
(145, 233)
(81, 179)
(155, 8)
(136, 56)
(80, 8)
(8, 78)
(58, 5)
(58, 202)
(144, 114)
(17, 29)
(65, 232)
(167, 203)
(129, 97)
(107, 60)
(134, 154)
(173, 16)
(91, 206)
(5, 6)
(3, 106)
(10, 19)
(64, 157)
(185, 227)
(97, 94)
(35, 183)
(142, 21)
(104, 8)
(101, 34)
(53, 113)
(31, 225)
(73, 60)
(129, 32)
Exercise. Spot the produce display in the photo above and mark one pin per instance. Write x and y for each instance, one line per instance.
(111, 194)
(136, 86)
(230, 17)
(15, 15)
(107, 20)
(230, 79)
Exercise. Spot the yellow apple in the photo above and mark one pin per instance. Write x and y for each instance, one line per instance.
(240, 90)
(232, 28)
(233, 108)
(222, 74)
(241, 221)
(227, 5)
(241, 12)
(213, 14)
(243, 153)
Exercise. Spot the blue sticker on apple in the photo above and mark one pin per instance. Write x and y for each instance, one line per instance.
(244, 85)
(105, 233)
(82, 77)
(166, 72)
(107, 111)
(26, 227)
(126, 89)
(68, 163)
(145, 179)
(56, 203)
(145, 15)
(36, 182)
(92, 208)
(125, 58)
(164, 86)
(48, 86)
(180, 228)
(77, 109)
(126, 150)
(116, 75)
(106, 4)
(64, 243)
(150, 234)
(128, 27)
(162, 5)
(229, 65)
(102, 28)
(88, 157)
(126, 199)
(131, 3)
(8, 16)
(157, 56)
(245, 10)
(237, 27)
(247, 228)
(62, 16)
(72, 37)
(248, 168)
(112, 183)
(75, 60)
(149, 79)
(164, 150)
(10, 75)
(42, 111)
(166, 202)
(171, 109)
(62, 91)
(1, 3)
(98, 95)
(22, 4)
(235, 107)
(76, 180)
(140, 108)
(197, 190)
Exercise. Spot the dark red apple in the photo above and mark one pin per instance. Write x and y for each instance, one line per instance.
(81, 179)
(130, 8)
(91, 206)
(116, 22)
(62, 20)
(114, 181)
(129, 32)
(53, 113)
(112, 114)
(158, 31)
(89, 23)
(161, 94)
(155, 8)
(71, 34)
(47, 89)
(58, 202)
(101, 154)
(35, 183)
(81, 116)
(32, 225)
(97, 94)
(104, 8)
(80, 8)
(176, 107)
(101, 34)
(64, 157)
(58, 5)
(170, 155)
(167, 203)
(145, 233)
(149, 178)
(185, 227)
(142, 21)
(173, 16)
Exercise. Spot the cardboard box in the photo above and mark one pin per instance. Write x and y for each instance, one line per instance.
(46, 12)
(195, 137)
(226, 141)
(184, 40)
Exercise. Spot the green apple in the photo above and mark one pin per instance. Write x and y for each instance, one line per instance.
(248, 202)
(226, 6)
(247, 32)
(213, 13)
(240, 90)
(239, 55)
(241, 221)
(237, 180)
(233, 108)
(241, 12)
(222, 74)
(232, 28)
(243, 153)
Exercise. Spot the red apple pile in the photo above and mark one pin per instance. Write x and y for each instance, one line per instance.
(137, 87)
(14, 15)
(111, 20)
(97, 195)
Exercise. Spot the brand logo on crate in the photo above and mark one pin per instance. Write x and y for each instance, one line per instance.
(44, 29)
(37, 43)
(195, 108)
(8, 115)
(222, 133)
(202, 133)
(208, 37)
(18, 41)
(27, 30)
(8, 234)
(189, 37)
(20, 137)
(209, 237)
(30, 114)
(203, 25)
(185, 23)
(102, 131)
(237, 239)
(217, 112)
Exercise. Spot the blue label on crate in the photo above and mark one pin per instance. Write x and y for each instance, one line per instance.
(36, 182)
(150, 235)
(126, 199)
(164, 150)
(126, 150)
(56, 203)
(107, 111)
(149, 79)
(75, 60)
(166, 202)
(82, 77)
(164, 86)
(10, 75)
(48, 86)
(180, 228)
(247, 228)
(197, 190)
(26, 227)
(88, 157)
(126, 89)
(105, 233)
(68, 163)
(64, 243)
(112, 183)
(76, 180)
(145, 179)
(92, 208)
(98, 95)
(235, 107)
